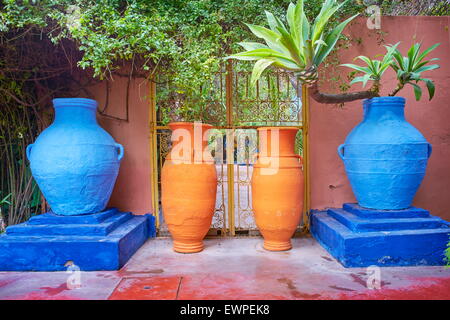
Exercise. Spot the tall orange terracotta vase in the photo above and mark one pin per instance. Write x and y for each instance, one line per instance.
(189, 185)
(277, 187)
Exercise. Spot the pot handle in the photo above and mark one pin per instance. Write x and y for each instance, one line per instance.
(340, 151)
(430, 150)
(120, 147)
(28, 150)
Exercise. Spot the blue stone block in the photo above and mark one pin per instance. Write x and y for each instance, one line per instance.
(101, 241)
(357, 224)
(411, 212)
(51, 218)
(381, 237)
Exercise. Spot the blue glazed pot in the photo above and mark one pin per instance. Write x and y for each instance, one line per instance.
(385, 157)
(74, 161)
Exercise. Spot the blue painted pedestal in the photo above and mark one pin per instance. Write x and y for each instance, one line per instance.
(360, 237)
(101, 241)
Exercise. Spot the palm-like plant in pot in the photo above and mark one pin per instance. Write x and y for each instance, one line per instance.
(385, 157)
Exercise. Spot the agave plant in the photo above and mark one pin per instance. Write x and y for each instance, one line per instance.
(409, 69)
(300, 47)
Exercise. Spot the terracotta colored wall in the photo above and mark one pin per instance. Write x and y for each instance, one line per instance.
(133, 188)
(330, 125)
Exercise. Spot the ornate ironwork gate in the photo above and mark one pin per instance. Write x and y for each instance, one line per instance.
(235, 105)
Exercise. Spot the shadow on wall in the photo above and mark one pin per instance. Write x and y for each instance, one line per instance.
(132, 191)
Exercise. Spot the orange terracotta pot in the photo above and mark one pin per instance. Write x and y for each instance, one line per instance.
(189, 185)
(277, 187)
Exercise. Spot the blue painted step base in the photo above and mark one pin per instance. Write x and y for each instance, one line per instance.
(359, 237)
(100, 241)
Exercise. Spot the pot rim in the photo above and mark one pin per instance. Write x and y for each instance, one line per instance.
(75, 102)
(279, 128)
(380, 101)
(188, 122)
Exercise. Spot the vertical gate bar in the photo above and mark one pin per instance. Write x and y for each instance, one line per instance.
(305, 132)
(222, 185)
(154, 152)
(230, 146)
(224, 212)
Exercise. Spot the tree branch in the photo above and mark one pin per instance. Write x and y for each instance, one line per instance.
(397, 89)
(342, 97)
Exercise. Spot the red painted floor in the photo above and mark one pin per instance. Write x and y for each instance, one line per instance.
(230, 269)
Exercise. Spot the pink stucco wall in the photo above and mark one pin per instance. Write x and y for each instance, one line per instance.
(132, 191)
(329, 124)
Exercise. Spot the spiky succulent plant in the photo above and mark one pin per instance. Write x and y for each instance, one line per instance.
(300, 47)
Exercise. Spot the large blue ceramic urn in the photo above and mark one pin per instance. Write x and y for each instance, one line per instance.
(385, 157)
(74, 161)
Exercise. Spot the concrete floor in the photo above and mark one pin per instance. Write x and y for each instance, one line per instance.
(237, 268)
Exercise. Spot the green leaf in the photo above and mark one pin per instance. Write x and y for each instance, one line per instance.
(421, 64)
(417, 91)
(271, 20)
(327, 11)
(430, 87)
(280, 24)
(331, 40)
(390, 51)
(297, 24)
(258, 69)
(269, 36)
(427, 51)
(290, 17)
(306, 28)
(356, 67)
(366, 78)
(369, 62)
(412, 52)
(252, 45)
(427, 68)
(258, 54)
(283, 63)
(358, 79)
(399, 59)
(289, 43)
(406, 64)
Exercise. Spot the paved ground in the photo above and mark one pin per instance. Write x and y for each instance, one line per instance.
(231, 269)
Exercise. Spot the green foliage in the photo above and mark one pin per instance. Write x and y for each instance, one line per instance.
(447, 254)
(182, 41)
(180, 38)
(374, 69)
(299, 47)
(17, 130)
(410, 67)
(5, 200)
